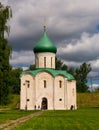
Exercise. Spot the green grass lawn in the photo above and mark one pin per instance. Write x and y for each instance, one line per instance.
(82, 119)
(6, 115)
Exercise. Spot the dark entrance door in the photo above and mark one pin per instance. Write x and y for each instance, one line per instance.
(44, 103)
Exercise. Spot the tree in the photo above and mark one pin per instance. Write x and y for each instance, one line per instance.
(81, 77)
(15, 81)
(5, 15)
(71, 70)
(80, 74)
(32, 67)
(5, 51)
(59, 65)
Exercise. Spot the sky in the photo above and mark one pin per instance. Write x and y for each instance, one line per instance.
(72, 25)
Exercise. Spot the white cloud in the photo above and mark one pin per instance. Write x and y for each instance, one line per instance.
(66, 21)
(95, 63)
(4, 2)
(84, 49)
(93, 87)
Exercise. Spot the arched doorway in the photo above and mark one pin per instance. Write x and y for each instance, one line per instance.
(44, 103)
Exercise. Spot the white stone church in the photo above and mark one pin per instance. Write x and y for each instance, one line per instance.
(45, 87)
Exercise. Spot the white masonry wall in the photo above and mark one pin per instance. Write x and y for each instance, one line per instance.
(27, 92)
(49, 60)
(59, 93)
(58, 98)
(71, 94)
(42, 92)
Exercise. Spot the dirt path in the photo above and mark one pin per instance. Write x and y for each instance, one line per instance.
(13, 123)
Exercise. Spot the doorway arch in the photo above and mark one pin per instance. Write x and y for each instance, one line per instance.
(44, 104)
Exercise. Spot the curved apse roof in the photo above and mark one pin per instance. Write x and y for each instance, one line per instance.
(53, 72)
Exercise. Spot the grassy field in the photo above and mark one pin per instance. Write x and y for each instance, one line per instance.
(6, 115)
(85, 100)
(14, 102)
(85, 118)
(82, 119)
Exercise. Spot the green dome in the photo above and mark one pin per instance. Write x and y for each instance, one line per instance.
(45, 45)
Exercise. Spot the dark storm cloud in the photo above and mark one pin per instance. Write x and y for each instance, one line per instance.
(71, 25)
(79, 56)
(25, 43)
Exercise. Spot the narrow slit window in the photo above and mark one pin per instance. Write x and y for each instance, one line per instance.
(44, 62)
(27, 83)
(37, 62)
(44, 83)
(51, 61)
(60, 84)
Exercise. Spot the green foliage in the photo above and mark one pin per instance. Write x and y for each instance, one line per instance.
(15, 81)
(80, 74)
(5, 15)
(14, 102)
(81, 77)
(9, 79)
(5, 51)
(71, 70)
(32, 67)
(59, 65)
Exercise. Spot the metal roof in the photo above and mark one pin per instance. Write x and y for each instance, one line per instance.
(45, 45)
(53, 72)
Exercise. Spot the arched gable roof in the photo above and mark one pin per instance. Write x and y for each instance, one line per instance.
(53, 72)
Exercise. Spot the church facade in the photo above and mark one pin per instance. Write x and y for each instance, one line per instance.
(45, 87)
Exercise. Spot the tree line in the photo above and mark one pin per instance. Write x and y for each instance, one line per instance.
(9, 77)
